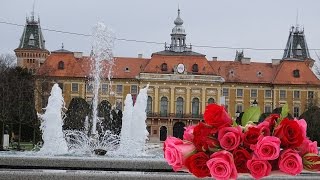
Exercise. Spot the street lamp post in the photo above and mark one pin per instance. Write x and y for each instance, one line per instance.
(238, 120)
(255, 103)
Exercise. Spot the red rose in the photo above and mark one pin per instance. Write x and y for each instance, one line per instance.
(204, 137)
(216, 116)
(251, 136)
(197, 164)
(290, 133)
(272, 119)
(241, 156)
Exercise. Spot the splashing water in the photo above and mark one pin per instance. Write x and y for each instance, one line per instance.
(54, 142)
(103, 42)
(134, 129)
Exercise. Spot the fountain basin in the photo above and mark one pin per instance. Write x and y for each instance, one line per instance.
(104, 163)
(102, 167)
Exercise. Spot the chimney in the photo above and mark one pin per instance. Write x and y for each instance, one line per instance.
(213, 59)
(245, 60)
(276, 62)
(139, 55)
(77, 54)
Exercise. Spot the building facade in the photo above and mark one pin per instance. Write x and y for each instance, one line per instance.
(182, 82)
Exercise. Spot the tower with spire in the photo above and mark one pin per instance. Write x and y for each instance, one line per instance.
(296, 48)
(31, 52)
(178, 44)
(178, 37)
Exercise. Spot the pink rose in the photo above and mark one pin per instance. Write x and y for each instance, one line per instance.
(188, 133)
(264, 128)
(177, 151)
(290, 162)
(267, 148)
(308, 146)
(221, 166)
(303, 126)
(259, 168)
(230, 137)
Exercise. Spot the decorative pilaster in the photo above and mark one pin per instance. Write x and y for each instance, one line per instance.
(188, 101)
(172, 100)
(203, 100)
(156, 99)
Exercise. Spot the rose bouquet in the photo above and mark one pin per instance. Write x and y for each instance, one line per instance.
(221, 149)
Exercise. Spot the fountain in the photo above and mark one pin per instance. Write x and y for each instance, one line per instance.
(51, 125)
(133, 132)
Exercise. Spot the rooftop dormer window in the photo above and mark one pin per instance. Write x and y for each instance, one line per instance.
(164, 67)
(127, 69)
(61, 65)
(195, 68)
(296, 73)
(259, 74)
(231, 72)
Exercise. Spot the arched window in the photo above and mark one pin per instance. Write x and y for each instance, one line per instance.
(195, 107)
(211, 101)
(195, 68)
(163, 133)
(61, 65)
(179, 107)
(164, 107)
(164, 67)
(149, 105)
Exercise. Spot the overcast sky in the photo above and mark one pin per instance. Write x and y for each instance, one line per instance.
(232, 23)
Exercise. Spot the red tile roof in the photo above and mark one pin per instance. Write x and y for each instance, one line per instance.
(154, 65)
(235, 71)
(284, 74)
(231, 71)
(81, 67)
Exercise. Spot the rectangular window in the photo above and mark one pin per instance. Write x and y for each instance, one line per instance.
(310, 94)
(296, 111)
(225, 92)
(283, 94)
(89, 87)
(239, 108)
(254, 93)
(75, 87)
(267, 109)
(104, 88)
(119, 104)
(239, 92)
(134, 89)
(119, 89)
(267, 93)
(296, 94)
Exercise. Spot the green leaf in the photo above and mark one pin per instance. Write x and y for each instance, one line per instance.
(252, 114)
(284, 112)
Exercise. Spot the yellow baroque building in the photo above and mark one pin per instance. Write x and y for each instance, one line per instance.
(182, 82)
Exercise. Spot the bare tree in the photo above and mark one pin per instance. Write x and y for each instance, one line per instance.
(7, 61)
(316, 68)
